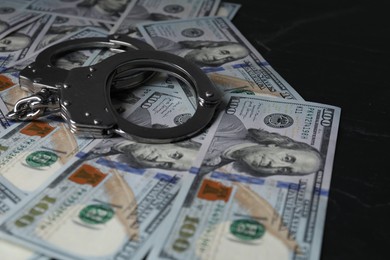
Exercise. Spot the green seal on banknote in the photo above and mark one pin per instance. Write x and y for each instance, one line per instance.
(247, 229)
(96, 214)
(41, 159)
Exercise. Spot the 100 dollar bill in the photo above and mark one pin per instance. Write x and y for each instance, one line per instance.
(262, 184)
(228, 10)
(152, 10)
(20, 42)
(69, 60)
(96, 208)
(31, 152)
(85, 9)
(216, 45)
(48, 30)
(14, 16)
(116, 189)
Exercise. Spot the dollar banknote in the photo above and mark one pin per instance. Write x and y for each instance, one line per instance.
(117, 189)
(14, 16)
(105, 11)
(11, 251)
(205, 198)
(216, 45)
(68, 60)
(55, 30)
(228, 10)
(162, 87)
(26, 42)
(12, 196)
(160, 103)
(160, 110)
(16, 45)
(31, 152)
(154, 10)
(101, 199)
(261, 188)
(58, 27)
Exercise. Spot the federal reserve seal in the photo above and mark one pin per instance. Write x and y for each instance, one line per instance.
(173, 9)
(278, 120)
(41, 159)
(192, 32)
(247, 229)
(96, 214)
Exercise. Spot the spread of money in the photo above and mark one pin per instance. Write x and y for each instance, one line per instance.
(253, 183)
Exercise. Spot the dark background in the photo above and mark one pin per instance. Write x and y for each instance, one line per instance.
(338, 53)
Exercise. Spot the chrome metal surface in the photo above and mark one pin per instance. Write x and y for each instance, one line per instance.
(83, 95)
(86, 104)
(42, 103)
(44, 74)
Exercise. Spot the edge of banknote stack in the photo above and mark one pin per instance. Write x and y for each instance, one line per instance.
(254, 185)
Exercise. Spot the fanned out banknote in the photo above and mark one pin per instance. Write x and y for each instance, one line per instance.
(58, 27)
(228, 10)
(262, 184)
(51, 33)
(157, 106)
(152, 10)
(68, 60)
(17, 143)
(271, 206)
(52, 29)
(160, 103)
(17, 43)
(100, 207)
(11, 196)
(14, 16)
(102, 11)
(216, 45)
(253, 185)
(117, 189)
(32, 152)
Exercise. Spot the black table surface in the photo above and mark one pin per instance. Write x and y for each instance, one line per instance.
(337, 52)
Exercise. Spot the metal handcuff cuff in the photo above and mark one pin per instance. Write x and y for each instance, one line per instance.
(82, 95)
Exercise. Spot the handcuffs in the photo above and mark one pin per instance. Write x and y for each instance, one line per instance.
(82, 95)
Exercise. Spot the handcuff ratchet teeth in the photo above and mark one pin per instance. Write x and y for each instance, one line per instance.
(82, 96)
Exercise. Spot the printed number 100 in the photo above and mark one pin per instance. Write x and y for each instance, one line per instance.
(186, 231)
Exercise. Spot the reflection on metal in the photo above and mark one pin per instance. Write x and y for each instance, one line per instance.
(82, 95)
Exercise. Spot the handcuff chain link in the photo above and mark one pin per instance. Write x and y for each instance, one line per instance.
(42, 103)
